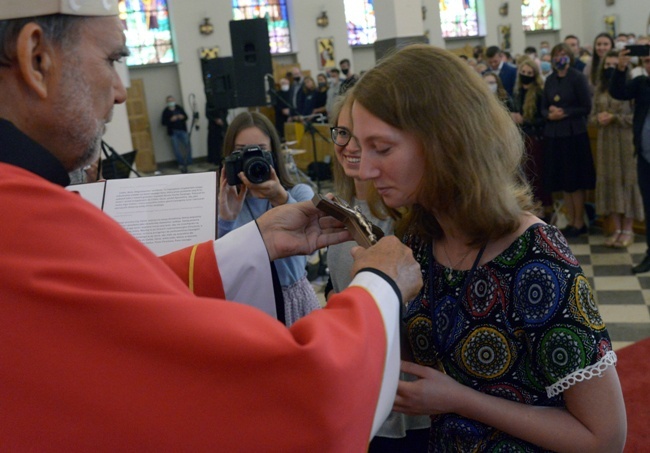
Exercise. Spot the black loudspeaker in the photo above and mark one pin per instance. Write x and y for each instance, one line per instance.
(252, 56)
(219, 83)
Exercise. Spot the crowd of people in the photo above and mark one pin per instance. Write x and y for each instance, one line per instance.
(303, 99)
(555, 95)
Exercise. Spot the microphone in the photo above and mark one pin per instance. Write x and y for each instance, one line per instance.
(268, 84)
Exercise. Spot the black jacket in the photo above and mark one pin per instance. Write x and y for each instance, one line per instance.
(570, 93)
(637, 89)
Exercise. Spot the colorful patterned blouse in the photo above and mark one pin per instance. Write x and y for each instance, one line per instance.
(526, 329)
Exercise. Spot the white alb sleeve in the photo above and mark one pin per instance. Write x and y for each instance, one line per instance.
(245, 268)
(388, 304)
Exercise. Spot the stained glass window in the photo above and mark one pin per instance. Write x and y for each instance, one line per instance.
(275, 13)
(458, 18)
(537, 14)
(148, 36)
(360, 17)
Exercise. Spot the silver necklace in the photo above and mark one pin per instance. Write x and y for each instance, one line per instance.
(450, 269)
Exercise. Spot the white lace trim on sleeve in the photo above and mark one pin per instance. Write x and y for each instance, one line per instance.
(595, 370)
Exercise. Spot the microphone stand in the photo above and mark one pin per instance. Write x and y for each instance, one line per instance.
(309, 127)
(110, 152)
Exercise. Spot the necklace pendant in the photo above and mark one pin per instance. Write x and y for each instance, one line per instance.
(448, 273)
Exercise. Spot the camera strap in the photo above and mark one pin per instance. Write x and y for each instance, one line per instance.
(277, 288)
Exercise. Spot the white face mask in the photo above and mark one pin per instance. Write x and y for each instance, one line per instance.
(284, 87)
(631, 41)
(493, 87)
(634, 61)
(620, 45)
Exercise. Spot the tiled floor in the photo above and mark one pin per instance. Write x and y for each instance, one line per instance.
(623, 298)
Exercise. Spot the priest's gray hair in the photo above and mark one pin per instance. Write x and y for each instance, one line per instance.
(60, 29)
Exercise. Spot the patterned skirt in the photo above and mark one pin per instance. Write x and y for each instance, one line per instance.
(299, 300)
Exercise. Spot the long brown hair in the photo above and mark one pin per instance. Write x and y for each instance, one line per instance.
(472, 148)
(594, 75)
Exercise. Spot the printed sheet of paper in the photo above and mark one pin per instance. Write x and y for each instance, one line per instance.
(166, 213)
(92, 192)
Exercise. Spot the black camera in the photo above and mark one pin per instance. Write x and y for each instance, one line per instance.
(253, 161)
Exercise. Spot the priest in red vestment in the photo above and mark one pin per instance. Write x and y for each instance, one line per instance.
(103, 346)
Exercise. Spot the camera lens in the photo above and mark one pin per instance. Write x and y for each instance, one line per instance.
(257, 170)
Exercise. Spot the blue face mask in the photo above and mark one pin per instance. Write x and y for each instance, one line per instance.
(545, 66)
(543, 51)
(561, 63)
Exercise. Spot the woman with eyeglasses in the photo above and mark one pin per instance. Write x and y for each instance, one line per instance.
(399, 432)
(245, 202)
(349, 188)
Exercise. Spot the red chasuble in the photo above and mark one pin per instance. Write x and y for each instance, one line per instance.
(104, 348)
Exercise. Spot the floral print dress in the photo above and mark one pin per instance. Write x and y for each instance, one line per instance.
(526, 329)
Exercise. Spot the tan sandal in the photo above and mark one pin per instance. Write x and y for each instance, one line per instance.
(613, 239)
(625, 239)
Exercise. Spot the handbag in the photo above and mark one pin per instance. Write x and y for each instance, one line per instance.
(559, 217)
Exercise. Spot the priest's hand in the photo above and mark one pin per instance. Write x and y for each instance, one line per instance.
(394, 259)
(299, 229)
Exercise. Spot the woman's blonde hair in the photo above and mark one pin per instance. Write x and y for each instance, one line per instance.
(472, 148)
(529, 109)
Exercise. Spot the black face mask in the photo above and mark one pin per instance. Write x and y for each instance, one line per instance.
(526, 79)
(296, 79)
(609, 73)
(345, 71)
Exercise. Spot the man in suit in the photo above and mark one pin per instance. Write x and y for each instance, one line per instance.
(497, 64)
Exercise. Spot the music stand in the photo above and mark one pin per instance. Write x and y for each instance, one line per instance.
(116, 165)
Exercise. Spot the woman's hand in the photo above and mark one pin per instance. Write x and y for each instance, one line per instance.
(623, 59)
(555, 113)
(604, 118)
(270, 189)
(231, 198)
(517, 118)
(432, 393)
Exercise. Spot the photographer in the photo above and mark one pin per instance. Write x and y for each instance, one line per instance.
(254, 180)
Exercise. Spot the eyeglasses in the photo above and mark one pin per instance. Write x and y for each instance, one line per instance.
(341, 136)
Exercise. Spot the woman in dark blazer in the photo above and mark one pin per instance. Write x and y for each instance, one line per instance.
(569, 165)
